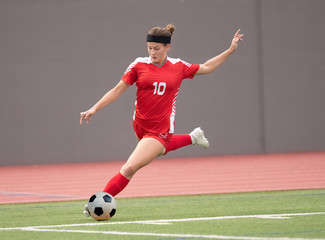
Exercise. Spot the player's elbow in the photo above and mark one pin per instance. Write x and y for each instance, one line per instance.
(204, 69)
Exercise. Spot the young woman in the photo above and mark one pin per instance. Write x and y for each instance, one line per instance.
(158, 79)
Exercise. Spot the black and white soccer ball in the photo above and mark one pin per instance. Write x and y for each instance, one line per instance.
(101, 206)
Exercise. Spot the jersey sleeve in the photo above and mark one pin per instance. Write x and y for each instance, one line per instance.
(130, 74)
(189, 70)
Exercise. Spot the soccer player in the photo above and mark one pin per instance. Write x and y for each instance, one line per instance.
(158, 79)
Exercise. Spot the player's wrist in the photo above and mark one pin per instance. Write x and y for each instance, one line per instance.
(231, 50)
(94, 109)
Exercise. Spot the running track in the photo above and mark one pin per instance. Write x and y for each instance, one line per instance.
(227, 174)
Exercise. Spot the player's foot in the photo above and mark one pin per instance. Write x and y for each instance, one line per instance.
(86, 211)
(198, 138)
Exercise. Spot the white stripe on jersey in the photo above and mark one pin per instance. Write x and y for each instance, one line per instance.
(176, 60)
(147, 60)
(138, 60)
(172, 115)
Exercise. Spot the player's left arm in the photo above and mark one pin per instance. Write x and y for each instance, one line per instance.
(213, 63)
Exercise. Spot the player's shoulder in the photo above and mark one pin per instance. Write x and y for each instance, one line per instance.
(138, 60)
(178, 60)
(142, 60)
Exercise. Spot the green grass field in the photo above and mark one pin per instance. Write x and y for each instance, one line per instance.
(263, 215)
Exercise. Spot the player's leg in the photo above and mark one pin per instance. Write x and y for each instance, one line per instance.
(145, 152)
(178, 141)
(196, 137)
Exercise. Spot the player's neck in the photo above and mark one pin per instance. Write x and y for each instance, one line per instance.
(160, 64)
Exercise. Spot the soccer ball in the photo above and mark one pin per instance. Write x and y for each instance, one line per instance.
(101, 206)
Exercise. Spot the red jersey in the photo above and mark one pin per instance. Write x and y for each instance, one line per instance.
(157, 90)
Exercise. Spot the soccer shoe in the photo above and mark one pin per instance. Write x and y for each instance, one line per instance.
(198, 138)
(86, 211)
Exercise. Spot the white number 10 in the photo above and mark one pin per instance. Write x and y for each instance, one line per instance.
(159, 88)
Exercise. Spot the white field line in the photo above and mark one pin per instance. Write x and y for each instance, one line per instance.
(166, 221)
(170, 221)
(162, 234)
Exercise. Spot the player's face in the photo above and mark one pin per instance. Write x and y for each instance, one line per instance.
(158, 52)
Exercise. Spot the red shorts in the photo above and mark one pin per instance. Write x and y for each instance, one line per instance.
(164, 138)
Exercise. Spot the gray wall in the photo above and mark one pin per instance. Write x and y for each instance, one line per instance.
(58, 57)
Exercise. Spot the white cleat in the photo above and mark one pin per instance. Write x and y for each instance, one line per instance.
(198, 138)
(86, 211)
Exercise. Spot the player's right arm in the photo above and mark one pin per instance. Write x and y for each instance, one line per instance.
(212, 64)
(108, 98)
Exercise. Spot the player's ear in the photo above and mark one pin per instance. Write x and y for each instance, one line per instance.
(167, 47)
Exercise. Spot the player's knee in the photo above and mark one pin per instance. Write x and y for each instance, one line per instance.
(128, 170)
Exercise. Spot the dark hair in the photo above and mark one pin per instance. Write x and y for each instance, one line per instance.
(162, 32)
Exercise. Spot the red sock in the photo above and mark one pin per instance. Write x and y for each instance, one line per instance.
(178, 141)
(116, 184)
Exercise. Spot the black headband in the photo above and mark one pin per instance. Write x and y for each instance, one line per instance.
(159, 39)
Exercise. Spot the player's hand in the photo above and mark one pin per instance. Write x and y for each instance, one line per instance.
(234, 43)
(86, 115)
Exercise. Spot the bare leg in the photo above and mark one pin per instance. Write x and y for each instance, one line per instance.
(144, 153)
